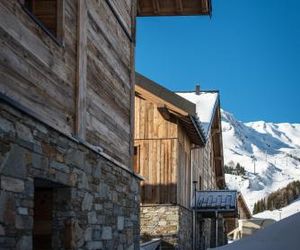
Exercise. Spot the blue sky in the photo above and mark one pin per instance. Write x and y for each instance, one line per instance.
(249, 50)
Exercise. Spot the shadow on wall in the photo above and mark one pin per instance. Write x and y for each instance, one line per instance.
(159, 194)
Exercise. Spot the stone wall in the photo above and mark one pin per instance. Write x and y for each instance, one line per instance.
(96, 203)
(185, 235)
(160, 221)
(173, 224)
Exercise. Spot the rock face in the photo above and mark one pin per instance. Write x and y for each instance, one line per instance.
(94, 203)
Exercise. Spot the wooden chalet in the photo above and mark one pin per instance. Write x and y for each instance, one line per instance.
(67, 94)
(173, 148)
(244, 213)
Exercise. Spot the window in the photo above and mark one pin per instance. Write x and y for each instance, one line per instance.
(200, 183)
(136, 161)
(48, 14)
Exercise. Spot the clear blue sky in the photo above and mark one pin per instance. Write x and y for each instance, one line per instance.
(249, 50)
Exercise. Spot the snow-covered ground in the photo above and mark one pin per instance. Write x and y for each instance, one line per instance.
(281, 213)
(270, 153)
(278, 236)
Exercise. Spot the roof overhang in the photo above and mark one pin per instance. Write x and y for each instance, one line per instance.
(172, 107)
(244, 204)
(174, 7)
(188, 122)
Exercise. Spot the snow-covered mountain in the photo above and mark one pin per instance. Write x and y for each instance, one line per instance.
(270, 153)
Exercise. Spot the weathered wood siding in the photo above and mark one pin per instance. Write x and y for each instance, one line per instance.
(41, 75)
(109, 85)
(184, 168)
(203, 166)
(164, 155)
(34, 70)
(157, 141)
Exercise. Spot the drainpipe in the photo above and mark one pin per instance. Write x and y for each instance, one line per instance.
(194, 216)
(194, 210)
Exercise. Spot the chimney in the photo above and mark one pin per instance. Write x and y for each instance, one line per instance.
(197, 89)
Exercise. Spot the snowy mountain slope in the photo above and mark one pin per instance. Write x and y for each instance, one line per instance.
(269, 152)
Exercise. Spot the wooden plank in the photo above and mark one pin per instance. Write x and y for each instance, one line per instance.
(80, 124)
(133, 11)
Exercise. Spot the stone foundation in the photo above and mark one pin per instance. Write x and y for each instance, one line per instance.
(94, 203)
(173, 224)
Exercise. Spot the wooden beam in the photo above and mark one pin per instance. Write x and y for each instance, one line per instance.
(132, 81)
(179, 5)
(156, 8)
(158, 100)
(215, 131)
(80, 122)
(163, 110)
(60, 25)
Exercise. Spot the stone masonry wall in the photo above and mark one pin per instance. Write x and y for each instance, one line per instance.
(96, 202)
(185, 229)
(160, 221)
(173, 224)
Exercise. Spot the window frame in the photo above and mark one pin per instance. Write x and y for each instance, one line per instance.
(60, 22)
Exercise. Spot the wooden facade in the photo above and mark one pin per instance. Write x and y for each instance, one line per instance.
(67, 95)
(80, 84)
(166, 153)
(244, 214)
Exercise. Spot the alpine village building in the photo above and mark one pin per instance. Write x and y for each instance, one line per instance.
(178, 150)
(67, 95)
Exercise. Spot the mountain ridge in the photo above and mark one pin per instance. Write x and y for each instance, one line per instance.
(269, 152)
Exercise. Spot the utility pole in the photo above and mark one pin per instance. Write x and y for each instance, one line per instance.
(253, 160)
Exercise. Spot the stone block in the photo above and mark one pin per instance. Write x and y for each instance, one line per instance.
(75, 158)
(25, 243)
(22, 210)
(60, 166)
(24, 222)
(12, 184)
(92, 218)
(96, 235)
(14, 163)
(2, 231)
(120, 223)
(24, 132)
(87, 202)
(94, 245)
(98, 207)
(88, 234)
(106, 233)
(6, 126)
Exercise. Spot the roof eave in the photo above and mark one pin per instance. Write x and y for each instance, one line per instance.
(147, 8)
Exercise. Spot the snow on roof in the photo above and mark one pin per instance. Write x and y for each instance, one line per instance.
(205, 107)
(219, 200)
(280, 235)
